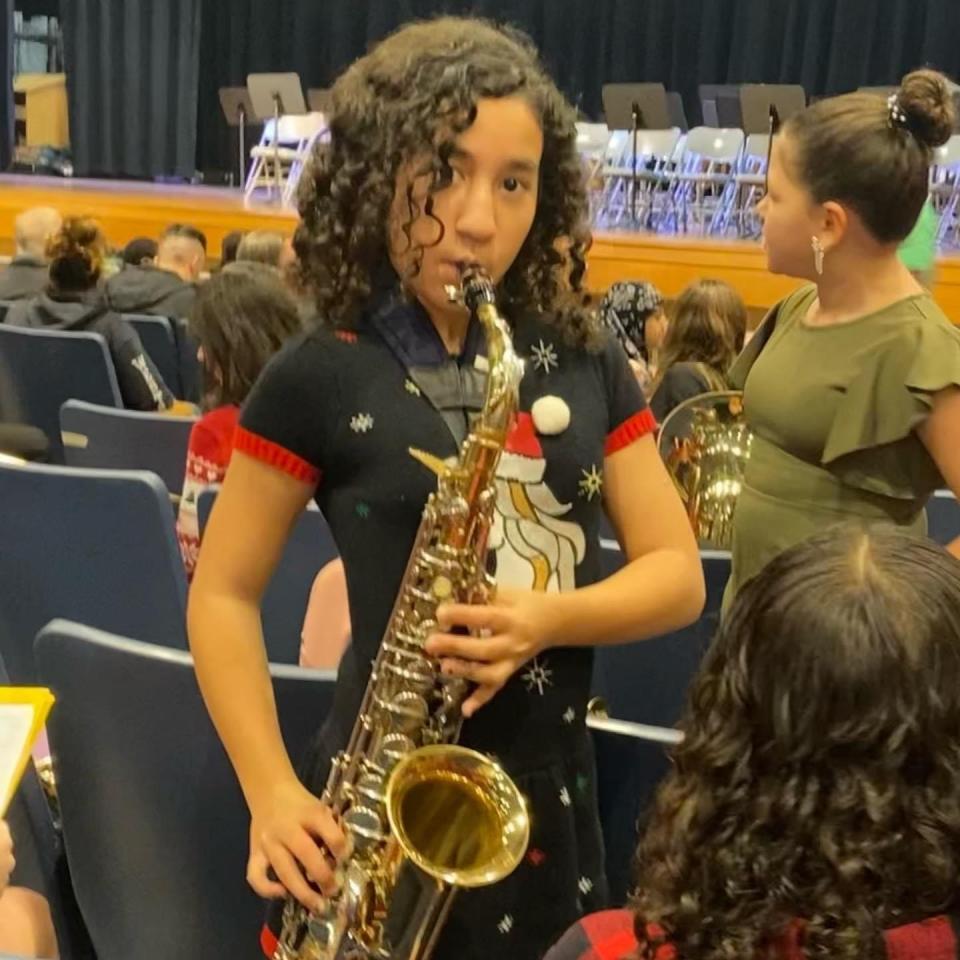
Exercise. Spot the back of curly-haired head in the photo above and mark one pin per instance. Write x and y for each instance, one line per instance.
(819, 778)
(408, 99)
(76, 253)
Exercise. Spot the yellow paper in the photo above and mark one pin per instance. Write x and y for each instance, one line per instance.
(23, 712)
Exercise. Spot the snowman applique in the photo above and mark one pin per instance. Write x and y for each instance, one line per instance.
(535, 548)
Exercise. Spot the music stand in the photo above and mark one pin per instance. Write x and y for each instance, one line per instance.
(238, 111)
(635, 107)
(273, 95)
(756, 99)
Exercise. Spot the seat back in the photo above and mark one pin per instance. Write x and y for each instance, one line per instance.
(647, 681)
(156, 335)
(114, 439)
(943, 517)
(96, 546)
(154, 822)
(48, 367)
(310, 547)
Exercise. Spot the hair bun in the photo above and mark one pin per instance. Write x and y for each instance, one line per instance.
(78, 239)
(927, 102)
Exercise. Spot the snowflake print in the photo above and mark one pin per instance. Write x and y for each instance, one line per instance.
(536, 857)
(363, 510)
(361, 423)
(585, 885)
(537, 675)
(591, 483)
(565, 797)
(569, 715)
(545, 357)
(411, 388)
(506, 924)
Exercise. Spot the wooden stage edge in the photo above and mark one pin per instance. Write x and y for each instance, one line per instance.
(128, 209)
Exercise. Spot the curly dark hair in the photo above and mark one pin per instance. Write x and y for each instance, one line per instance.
(819, 778)
(409, 99)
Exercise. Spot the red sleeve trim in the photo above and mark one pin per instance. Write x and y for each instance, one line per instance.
(632, 429)
(268, 942)
(273, 454)
(931, 939)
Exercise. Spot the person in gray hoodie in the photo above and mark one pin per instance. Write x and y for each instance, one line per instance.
(166, 287)
(26, 275)
(73, 301)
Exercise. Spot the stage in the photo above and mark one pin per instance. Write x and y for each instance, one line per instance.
(127, 209)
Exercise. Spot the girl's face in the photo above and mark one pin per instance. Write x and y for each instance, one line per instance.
(655, 330)
(486, 210)
(791, 217)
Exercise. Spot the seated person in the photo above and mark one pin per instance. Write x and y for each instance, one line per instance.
(264, 246)
(139, 252)
(241, 317)
(229, 246)
(165, 287)
(633, 312)
(73, 301)
(812, 808)
(705, 335)
(26, 275)
(26, 927)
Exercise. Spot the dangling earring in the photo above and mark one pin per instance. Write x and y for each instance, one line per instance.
(818, 253)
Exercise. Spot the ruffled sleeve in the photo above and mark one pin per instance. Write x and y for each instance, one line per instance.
(872, 442)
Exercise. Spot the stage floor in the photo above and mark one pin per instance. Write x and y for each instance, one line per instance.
(128, 209)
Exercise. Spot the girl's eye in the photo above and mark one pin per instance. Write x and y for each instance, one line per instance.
(511, 184)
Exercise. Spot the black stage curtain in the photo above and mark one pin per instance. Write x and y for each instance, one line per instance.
(829, 46)
(132, 80)
(6, 79)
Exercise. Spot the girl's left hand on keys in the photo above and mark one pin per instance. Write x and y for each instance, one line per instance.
(507, 632)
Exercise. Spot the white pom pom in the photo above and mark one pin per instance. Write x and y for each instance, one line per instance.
(551, 416)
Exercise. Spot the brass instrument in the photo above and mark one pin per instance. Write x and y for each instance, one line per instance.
(425, 817)
(705, 444)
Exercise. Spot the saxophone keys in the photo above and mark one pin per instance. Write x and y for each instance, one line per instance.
(365, 826)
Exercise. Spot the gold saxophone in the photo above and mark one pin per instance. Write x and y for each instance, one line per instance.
(417, 807)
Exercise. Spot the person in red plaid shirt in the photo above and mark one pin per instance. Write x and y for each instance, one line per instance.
(813, 809)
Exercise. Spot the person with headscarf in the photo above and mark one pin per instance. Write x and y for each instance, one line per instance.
(633, 311)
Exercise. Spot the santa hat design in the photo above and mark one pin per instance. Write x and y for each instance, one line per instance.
(522, 457)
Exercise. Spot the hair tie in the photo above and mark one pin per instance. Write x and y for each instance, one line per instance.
(897, 115)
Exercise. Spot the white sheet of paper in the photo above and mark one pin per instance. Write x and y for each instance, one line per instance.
(16, 721)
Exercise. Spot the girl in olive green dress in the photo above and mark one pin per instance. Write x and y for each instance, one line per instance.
(850, 385)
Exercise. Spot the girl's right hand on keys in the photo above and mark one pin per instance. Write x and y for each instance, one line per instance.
(298, 837)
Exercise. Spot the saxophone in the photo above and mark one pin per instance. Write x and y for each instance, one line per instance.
(425, 817)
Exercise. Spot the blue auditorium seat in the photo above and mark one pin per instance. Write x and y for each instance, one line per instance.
(309, 548)
(154, 822)
(95, 436)
(97, 546)
(157, 336)
(646, 681)
(943, 517)
(49, 367)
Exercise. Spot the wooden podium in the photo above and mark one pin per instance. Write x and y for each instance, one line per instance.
(41, 109)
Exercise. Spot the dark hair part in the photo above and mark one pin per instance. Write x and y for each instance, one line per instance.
(242, 315)
(410, 98)
(139, 250)
(819, 777)
(708, 326)
(76, 254)
(185, 230)
(851, 149)
(229, 245)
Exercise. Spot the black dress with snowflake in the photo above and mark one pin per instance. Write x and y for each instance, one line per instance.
(341, 409)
